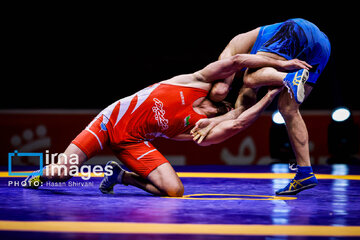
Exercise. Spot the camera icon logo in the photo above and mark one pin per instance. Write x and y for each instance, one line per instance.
(17, 154)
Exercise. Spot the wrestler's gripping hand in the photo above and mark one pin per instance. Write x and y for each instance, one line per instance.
(294, 64)
(204, 126)
(202, 129)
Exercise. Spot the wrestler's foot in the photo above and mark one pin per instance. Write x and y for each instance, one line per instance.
(296, 81)
(304, 179)
(33, 181)
(109, 181)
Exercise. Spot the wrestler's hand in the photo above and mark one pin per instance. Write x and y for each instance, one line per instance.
(202, 129)
(295, 64)
(273, 91)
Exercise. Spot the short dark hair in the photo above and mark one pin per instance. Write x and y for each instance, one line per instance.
(222, 107)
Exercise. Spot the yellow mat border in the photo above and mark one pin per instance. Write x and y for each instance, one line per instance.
(4, 174)
(170, 228)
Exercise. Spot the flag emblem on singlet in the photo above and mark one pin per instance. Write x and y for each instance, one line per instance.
(186, 121)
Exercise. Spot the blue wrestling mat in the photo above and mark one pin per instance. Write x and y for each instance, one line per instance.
(220, 202)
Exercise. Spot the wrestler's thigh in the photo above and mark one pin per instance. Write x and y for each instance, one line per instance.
(250, 71)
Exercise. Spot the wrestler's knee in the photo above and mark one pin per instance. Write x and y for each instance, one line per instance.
(287, 109)
(251, 77)
(219, 91)
(175, 189)
(166, 180)
(249, 80)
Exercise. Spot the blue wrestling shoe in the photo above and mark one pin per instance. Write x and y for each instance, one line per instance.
(33, 181)
(109, 181)
(304, 179)
(295, 82)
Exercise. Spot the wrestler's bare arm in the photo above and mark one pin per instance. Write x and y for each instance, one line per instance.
(183, 137)
(214, 71)
(224, 68)
(229, 128)
(240, 44)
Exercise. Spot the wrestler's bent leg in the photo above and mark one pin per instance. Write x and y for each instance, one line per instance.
(256, 78)
(151, 171)
(162, 181)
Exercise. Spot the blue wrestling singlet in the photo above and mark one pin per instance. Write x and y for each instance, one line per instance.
(296, 38)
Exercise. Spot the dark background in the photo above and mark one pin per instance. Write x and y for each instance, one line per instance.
(67, 57)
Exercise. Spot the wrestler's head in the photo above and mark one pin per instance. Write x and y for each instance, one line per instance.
(222, 107)
(213, 109)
